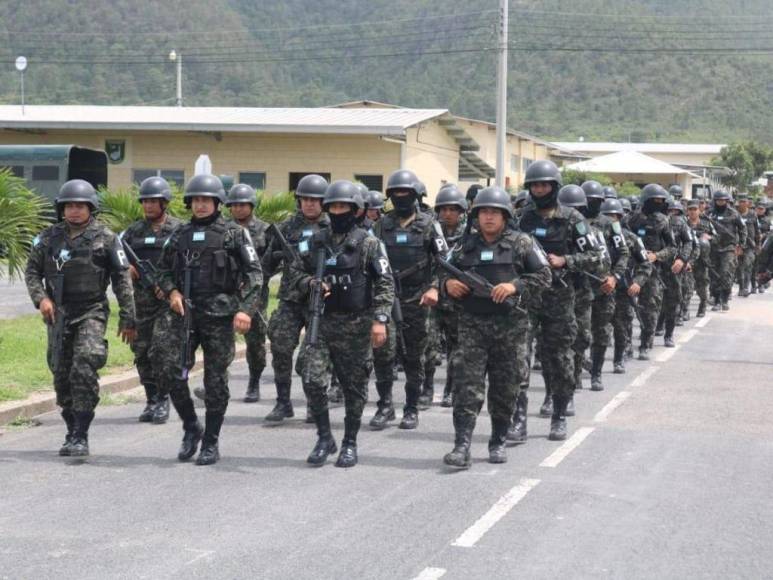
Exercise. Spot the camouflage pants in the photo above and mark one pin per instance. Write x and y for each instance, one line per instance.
(434, 343)
(672, 295)
(724, 265)
(602, 311)
(415, 334)
(344, 346)
(448, 324)
(650, 301)
(700, 275)
(688, 289)
(148, 368)
(255, 340)
(622, 320)
(557, 330)
(215, 335)
(583, 301)
(746, 269)
(284, 330)
(84, 352)
(493, 346)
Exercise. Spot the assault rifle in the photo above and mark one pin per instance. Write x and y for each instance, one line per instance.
(316, 307)
(478, 284)
(147, 269)
(57, 330)
(288, 252)
(397, 310)
(186, 355)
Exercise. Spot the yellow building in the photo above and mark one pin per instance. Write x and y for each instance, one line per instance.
(272, 148)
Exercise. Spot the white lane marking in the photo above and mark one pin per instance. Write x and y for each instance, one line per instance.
(504, 504)
(703, 321)
(570, 445)
(667, 354)
(687, 336)
(643, 377)
(431, 574)
(618, 400)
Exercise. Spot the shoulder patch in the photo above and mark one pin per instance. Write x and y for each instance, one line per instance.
(581, 228)
(616, 227)
(36, 241)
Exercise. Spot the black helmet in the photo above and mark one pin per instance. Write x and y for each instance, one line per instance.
(311, 185)
(675, 205)
(363, 189)
(653, 191)
(635, 202)
(204, 185)
(761, 203)
(472, 191)
(421, 189)
(242, 193)
(696, 203)
(375, 200)
(78, 190)
(341, 191)
(612, 205)
(450, 195)
(572, 196)
(543, 171)
(610, 192)
(675, 191)
(593, 190)
(721, 194)
(522, 198)
(626, 203)
(155, 188)
(403, 179)
(495, 197)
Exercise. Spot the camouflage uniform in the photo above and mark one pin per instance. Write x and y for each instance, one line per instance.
(287, 321)
(764, 223)
(655, 231)
(88, 262)
(672, 283)
(731, 233)
(701, 265)
(638, 271)
(147, 241)
(750, 248)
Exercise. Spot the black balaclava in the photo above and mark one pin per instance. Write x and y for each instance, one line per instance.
(546, 201)
(342, 223)
(404, 205)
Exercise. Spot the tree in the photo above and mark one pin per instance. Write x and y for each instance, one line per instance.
(740, 162)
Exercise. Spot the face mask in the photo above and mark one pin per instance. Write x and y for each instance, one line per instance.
(720, 208)
(594, 207)
(546, 201)
(651, 206)
(404, 204)
(341, 223)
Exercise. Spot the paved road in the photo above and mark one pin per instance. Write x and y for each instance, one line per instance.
(14, 300)
(667, 475)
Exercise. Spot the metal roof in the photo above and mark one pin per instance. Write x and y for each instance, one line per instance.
(627, 162)
(369, 121)
(35, 152)
(608, 147)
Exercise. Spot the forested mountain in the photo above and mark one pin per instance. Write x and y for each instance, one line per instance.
(694, 70)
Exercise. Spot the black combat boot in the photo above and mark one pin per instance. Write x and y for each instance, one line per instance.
(460, 455)
(701, 309)
(597, 364)
(726, 300)
(325, 445)
(517, 432)
(546, 410)
(448, 394)
(210, 453)
(410, 410)
(579, 361)
(253, 390)
(619, 358)
(192, 430)
(717, 303)
(386, 410)
(569, 408)
(348, 455)
(644, 348)
(69, 420)
(428, 390)
(161, 410)
(496, 445)
(151, 394)
(80, 434)
(668, 339)
(284, 407)
(558, 420)
(660, 326)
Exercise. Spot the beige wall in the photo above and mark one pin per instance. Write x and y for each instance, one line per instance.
(433, 155)
(342, 156)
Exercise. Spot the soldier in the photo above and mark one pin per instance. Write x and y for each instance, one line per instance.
(764, 222)
(676, 192)
(566, 237)
(493, 334)
(521, 199)
(634, 276)
(603, 307)
(362, 199)
(287, 321)
(212, 275)
(68, 269)
(147, 237)
(412, 239)
(358, 292)
(375, 205)
(703, 231)
(672, 273)
(746, 278)
(726, 246)
(241, 202)
(652, 226)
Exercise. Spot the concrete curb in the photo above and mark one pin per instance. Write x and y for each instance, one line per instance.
(39, 403)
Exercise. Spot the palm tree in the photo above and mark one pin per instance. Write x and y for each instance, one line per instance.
(23, 214)
(119, 208)
(275, 208)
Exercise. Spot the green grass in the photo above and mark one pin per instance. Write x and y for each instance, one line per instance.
(23, 368)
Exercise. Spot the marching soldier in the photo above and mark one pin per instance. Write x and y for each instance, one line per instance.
(726, 247)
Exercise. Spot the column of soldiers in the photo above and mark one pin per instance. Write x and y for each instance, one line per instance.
(483, 279)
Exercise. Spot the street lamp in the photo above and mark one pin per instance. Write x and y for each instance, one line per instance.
(174, 56)
(21, 66)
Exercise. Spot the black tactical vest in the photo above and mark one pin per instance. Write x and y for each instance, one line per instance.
(85, 280)
(214, 270)
(350, 286)
(495, 264)
(550, 233)
(649, 230)
(148, 247)
(407, 247)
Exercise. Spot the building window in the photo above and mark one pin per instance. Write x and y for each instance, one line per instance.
(16, 170)
(372, 182)
(526, 163)
(176, 176)
(255, 179)
(45, 173)
(514, 163)
(296, 177)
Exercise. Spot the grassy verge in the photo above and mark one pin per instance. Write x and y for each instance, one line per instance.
(23, 368)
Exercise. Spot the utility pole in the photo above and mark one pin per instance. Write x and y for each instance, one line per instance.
(177, 58)
(502, 94)
(21, 66)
